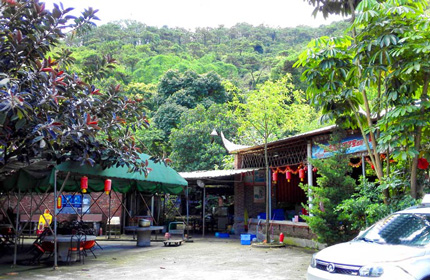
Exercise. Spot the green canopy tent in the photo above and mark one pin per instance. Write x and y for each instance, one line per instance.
(40, 177)
(44, 177)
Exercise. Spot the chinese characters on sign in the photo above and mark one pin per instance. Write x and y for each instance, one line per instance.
(354, 144)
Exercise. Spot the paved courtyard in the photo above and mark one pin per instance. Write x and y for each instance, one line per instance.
(209, 258)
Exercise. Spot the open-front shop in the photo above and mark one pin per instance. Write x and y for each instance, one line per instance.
(289, 171)
(212, 200)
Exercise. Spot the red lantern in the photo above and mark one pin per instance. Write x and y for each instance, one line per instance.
(423, 163)
(108, 185)
(288, 175)
(59, 202)
(84, 184)
(275, 177)
(301, 174)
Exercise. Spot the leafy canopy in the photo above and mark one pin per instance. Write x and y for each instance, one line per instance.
(275, 110)
(377, 79)
(46, 112)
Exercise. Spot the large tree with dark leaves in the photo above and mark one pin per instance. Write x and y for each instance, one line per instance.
(337, 7)
(47, 113)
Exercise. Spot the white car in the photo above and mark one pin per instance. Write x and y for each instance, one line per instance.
(395, 248)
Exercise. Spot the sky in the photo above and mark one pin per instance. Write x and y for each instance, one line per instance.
(190, 14)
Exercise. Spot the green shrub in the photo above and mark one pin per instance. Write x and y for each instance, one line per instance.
(367, 206)
(334, 185)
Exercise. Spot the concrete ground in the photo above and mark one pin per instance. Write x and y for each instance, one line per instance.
(204, 258)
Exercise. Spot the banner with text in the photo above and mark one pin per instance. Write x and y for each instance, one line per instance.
(353, 144)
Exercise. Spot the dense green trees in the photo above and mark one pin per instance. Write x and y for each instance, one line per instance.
(243, 53)
(192, 148)
(179, 92)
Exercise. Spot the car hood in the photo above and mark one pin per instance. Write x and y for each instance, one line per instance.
(363, 253)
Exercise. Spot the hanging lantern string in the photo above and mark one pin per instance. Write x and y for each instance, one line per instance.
(382, 156)
(286, 169)
(355, 165)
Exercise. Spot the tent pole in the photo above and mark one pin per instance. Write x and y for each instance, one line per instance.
(55, 219)
(204, 210)
(152, 206)
(188, 216)
(31, 212)
(124, 211)
(15, 253)
(82, 207)
(159, 208)
(109, 217)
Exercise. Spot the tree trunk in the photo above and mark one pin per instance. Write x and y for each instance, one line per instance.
(417, 141)
(267, 191)
(373, 154)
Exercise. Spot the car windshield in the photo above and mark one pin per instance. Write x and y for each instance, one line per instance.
(400, 229)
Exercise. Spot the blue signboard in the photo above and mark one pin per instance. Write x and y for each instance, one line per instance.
(353, 144)
(78, 202)
(72, 200)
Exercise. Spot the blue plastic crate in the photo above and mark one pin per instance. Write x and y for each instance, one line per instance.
(222, 235)
(245, 239)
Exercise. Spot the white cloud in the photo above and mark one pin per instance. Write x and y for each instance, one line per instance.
(203, 13)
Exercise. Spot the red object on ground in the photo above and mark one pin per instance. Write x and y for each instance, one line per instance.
(304, 211)
(281, 237)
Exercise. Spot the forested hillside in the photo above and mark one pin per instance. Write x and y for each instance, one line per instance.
(244, 54)
(186, 79)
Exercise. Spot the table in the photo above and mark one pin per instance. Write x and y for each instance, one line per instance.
(144, 234)
(63, 244)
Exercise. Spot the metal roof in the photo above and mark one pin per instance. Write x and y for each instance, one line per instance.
(207, 174)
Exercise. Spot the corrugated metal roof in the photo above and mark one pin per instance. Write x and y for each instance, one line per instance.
(205, 174)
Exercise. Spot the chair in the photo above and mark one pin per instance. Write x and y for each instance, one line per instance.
(76, 249)
(41, 247)
(46, 247)
(89, 246)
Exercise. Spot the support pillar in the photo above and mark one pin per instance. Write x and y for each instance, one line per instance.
(310, 172)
